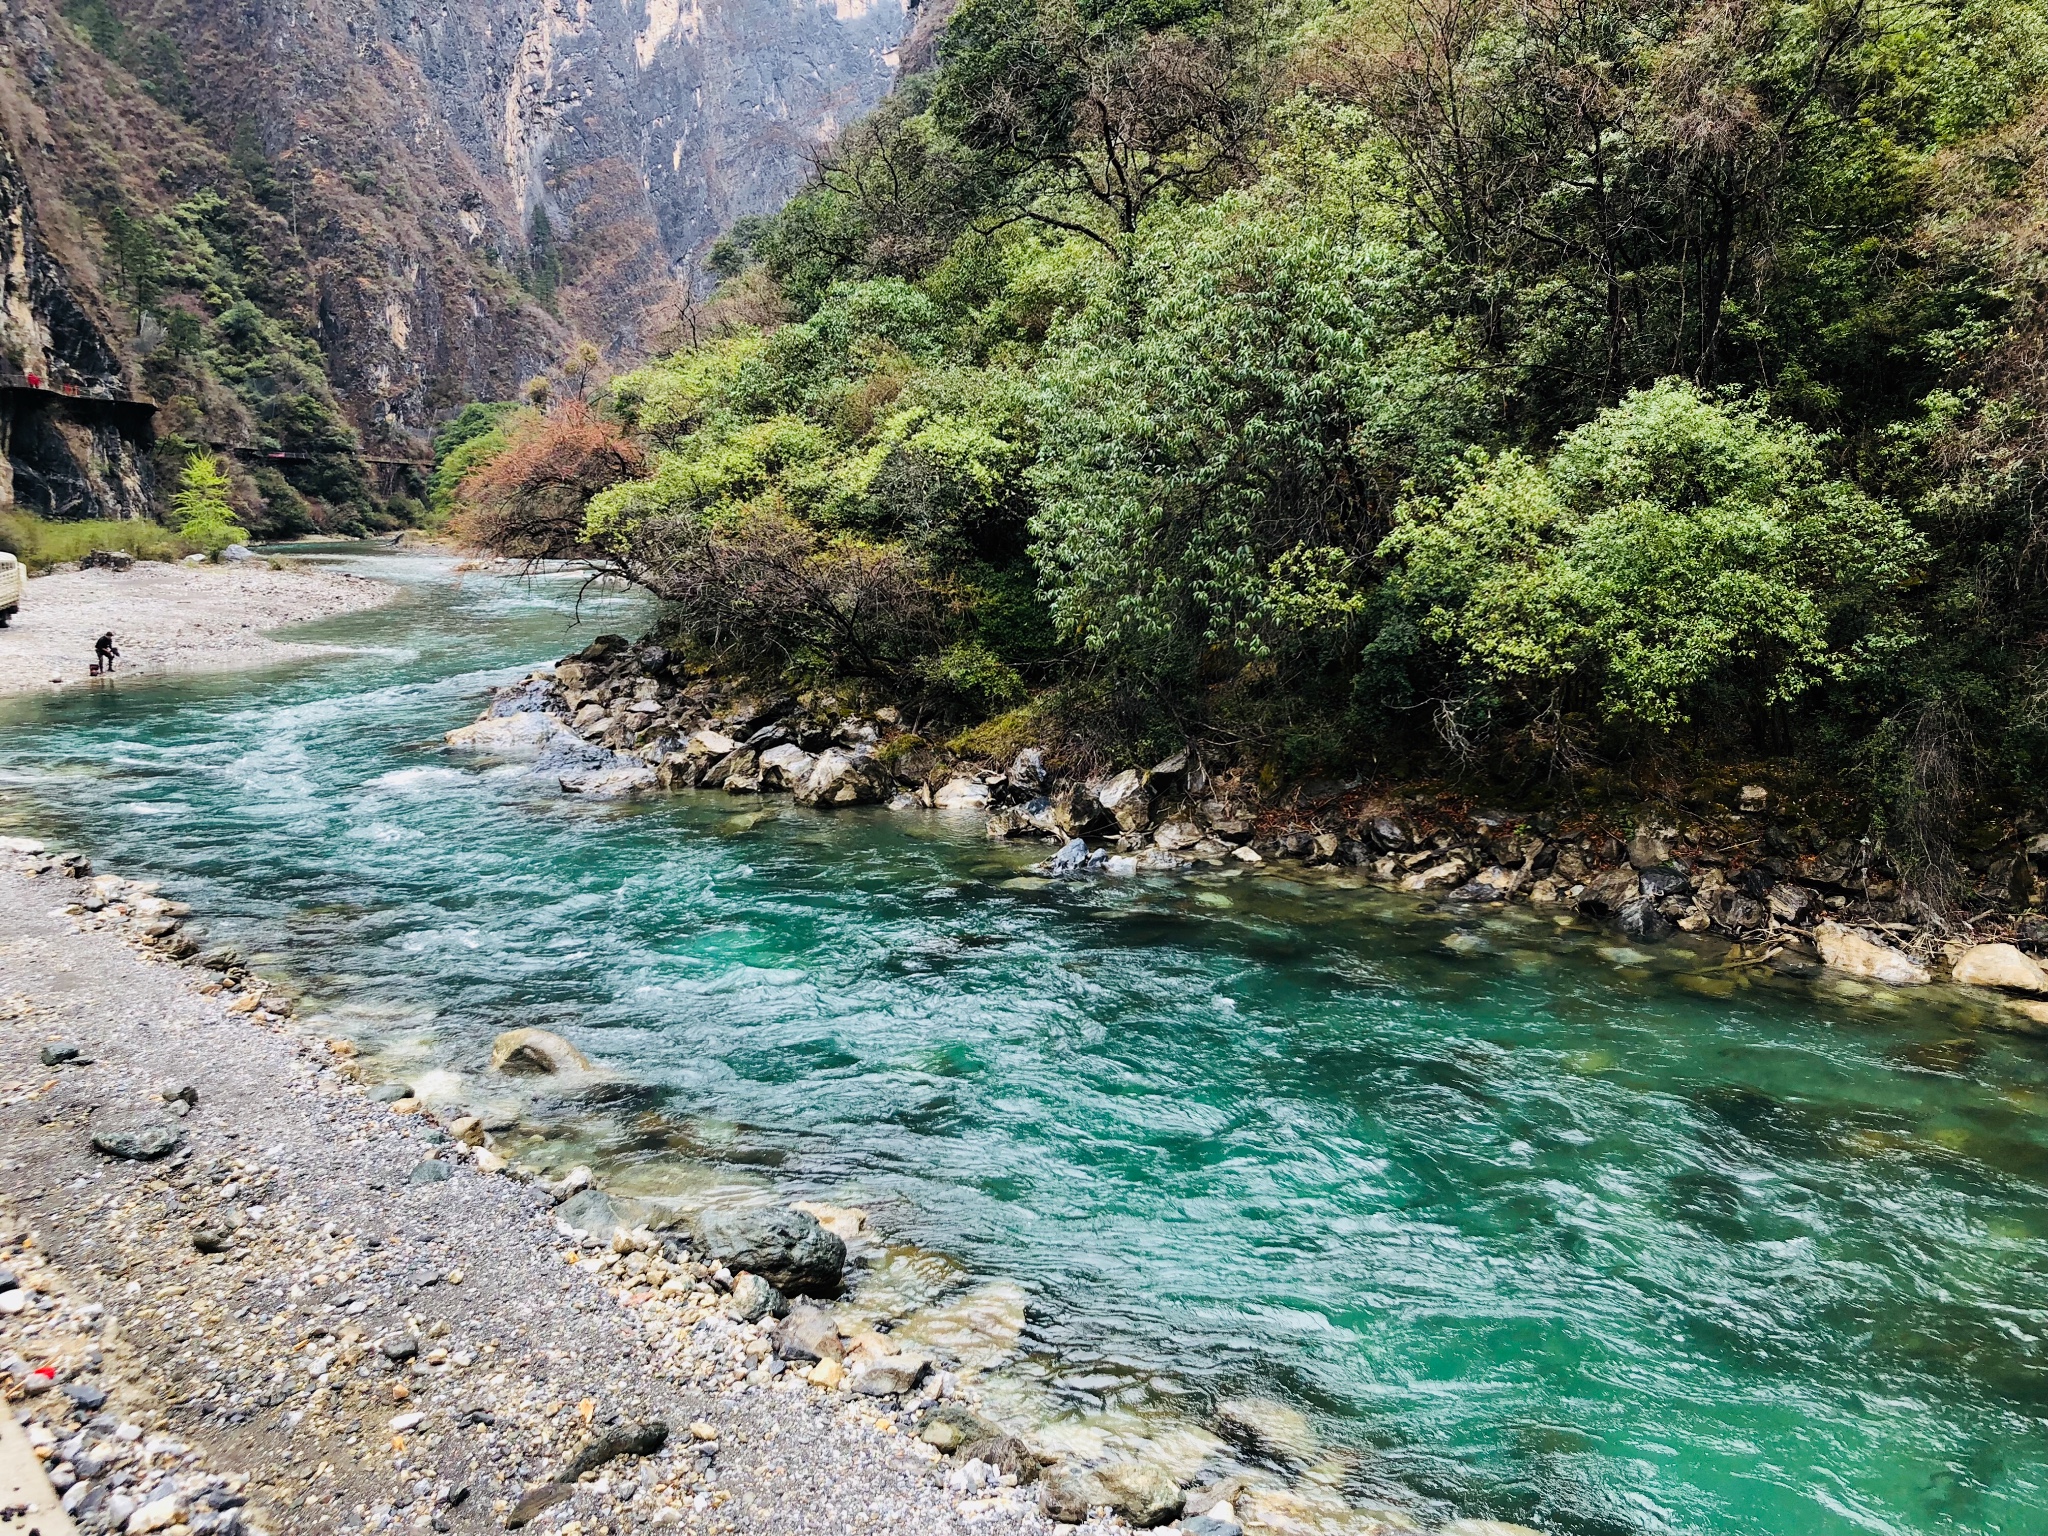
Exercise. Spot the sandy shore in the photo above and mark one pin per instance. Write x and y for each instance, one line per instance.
(170, 618)
(280, 1325)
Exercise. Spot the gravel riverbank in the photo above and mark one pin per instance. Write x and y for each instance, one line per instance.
(171, 618)
(282, 1325)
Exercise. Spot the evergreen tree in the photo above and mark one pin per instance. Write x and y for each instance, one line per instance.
(204, 513)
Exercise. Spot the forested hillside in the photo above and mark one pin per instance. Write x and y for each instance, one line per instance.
(1554, 394)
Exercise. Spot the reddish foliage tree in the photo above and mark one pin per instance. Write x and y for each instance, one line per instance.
(527, 503)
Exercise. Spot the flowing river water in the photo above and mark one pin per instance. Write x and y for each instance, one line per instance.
(1529, 1223)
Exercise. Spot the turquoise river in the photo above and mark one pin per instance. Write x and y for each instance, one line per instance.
(1532, 1225)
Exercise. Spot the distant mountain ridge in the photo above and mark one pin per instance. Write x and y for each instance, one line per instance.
(417, 204)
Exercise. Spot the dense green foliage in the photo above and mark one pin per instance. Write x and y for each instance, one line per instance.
(40, 543)
(1547, 385)
(201, 506)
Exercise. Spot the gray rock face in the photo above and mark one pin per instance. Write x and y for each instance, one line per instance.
(1665, 880)
(808, 1334)
(838, 778)
(590, 1212)
(1641, 920)
(1389, 834)
(61, 459)
(1791, 903)
(137, 1138)
(1066, 1494)
(891, 1375)
(1027, 770)
(786, 1248)
(754, 1298)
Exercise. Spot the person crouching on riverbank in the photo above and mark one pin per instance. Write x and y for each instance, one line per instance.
(106, 650)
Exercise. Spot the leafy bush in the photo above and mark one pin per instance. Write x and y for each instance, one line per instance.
(39, 544)
(1672, 545)
(1252, 420)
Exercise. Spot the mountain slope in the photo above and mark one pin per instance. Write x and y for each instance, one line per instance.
(414, 205)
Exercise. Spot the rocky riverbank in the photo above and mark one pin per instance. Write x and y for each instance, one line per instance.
(171, 618)
(249, 1287)
(1748, 875)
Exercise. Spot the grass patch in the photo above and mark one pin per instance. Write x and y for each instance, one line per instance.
(1007, 734)
(40, 544)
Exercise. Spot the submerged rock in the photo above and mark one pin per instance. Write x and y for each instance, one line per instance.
(1142, 1494)
(2024, 1016)
(1067, 1494)
(1842, 949)
(787, 1248)
(536, 1050)
(1267, 1428)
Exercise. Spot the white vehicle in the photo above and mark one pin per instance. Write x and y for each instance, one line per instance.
(13, 577)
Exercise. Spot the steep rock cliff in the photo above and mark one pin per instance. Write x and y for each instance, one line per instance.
(427, 144)
(67, 449)
(377, 211)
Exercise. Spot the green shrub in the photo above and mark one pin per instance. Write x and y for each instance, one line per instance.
(39, 544)
(1673, 544)
(205, 516)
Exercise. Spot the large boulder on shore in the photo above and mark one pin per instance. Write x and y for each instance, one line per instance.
(536, 1050)
(961, 794)
(511, 736)
(841, 778)
(786, 766)
(1127, 798)
(787, 1248)
(1144, 1495)
(2001, 966)
(1843, 949)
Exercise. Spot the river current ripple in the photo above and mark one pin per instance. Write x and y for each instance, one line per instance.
(1532, 1224)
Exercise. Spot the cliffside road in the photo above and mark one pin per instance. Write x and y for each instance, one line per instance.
(278, 1323)
(169, 618)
